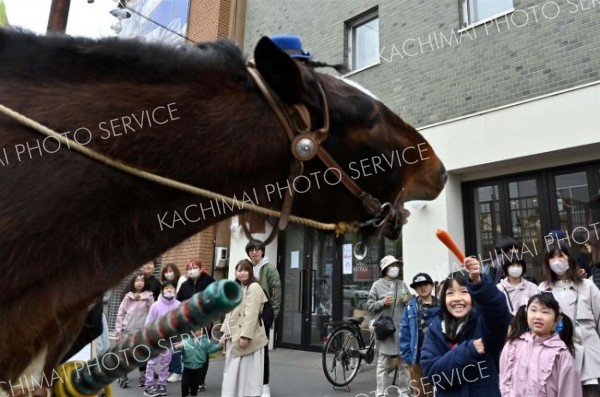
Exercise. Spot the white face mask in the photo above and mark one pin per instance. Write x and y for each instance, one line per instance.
(169, 295)
(559, 266)
(194, 273)
(515, 271)
(169, 276)
(393, 272)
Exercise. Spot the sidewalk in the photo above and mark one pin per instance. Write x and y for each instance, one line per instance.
(293, 374)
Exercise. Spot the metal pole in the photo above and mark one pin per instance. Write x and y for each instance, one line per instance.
(59, 13)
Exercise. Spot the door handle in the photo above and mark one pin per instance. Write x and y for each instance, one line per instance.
(314, 288)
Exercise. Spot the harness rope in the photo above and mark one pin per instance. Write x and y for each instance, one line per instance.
(339, 228)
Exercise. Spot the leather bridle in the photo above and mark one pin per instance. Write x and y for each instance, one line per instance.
(296, 123)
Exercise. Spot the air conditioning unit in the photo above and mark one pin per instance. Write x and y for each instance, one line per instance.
(221, 257)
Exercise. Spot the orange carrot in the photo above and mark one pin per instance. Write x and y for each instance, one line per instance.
(445, 238)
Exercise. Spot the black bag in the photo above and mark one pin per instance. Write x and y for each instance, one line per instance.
(267, 315)
(384, 327)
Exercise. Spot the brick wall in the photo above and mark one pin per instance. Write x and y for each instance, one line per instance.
(209, 19)
(198, 246)
(542, 47)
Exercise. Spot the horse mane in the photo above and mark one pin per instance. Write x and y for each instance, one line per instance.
(139, 62)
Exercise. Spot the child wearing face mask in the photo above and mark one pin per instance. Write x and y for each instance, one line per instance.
(580, 300)
(166, 302)
(516, 289)
(538, 360)
(387, 297)
(466, 335)
(170, 272)
(132, 315)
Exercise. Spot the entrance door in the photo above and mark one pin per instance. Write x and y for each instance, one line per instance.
(306, 264)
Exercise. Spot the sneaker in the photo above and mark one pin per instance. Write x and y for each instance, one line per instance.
(202, 387)
(142, 381)
(123, 382)
(174, 378)
(151, 391)
(266, 391)
(162, 390)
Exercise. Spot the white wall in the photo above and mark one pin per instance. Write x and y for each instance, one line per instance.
(549, 131)
(237, 246)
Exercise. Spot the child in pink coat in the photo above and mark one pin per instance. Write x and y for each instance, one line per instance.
(537, 360)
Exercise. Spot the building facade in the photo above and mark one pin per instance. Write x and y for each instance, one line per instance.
(507, 93)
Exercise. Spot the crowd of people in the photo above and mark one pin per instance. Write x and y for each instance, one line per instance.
(245, 329)
(491, 331)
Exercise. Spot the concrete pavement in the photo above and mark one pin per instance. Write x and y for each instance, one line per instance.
(293, 374)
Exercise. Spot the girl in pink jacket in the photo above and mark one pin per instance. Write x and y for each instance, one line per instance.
(537, 360)
(132, 315)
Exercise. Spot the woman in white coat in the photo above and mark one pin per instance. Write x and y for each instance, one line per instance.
(580, 300)
(244, 338)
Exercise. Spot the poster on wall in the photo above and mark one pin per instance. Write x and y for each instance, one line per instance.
(170, 13)
(295, 260)
(347, 258)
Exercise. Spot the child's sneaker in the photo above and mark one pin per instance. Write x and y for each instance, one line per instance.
(202, 387)
(123, 382)
(151, 391)
(162, 390)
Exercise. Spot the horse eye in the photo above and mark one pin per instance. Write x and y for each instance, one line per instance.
(374, 121)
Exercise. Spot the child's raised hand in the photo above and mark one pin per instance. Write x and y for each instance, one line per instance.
(478, 343)
(474, 269)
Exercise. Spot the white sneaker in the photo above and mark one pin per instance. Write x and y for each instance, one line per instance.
(266, 391)
(174, 378)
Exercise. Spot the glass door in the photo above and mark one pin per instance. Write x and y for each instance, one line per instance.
(291, 267)
(307, 260)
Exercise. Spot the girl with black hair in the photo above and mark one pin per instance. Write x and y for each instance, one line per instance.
(580, 300)
(538, 357)
(466, 335)
(132, 315)
(514, 286)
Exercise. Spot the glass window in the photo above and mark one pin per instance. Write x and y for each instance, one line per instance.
(572, 196)
(487, 218)
(363, 42)
(478, 10)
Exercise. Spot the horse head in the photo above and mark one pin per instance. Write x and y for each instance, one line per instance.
(383, 155)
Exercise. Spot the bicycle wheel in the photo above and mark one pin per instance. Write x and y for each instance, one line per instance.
(341, 358)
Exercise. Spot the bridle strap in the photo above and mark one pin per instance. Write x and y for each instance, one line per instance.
(295, 120)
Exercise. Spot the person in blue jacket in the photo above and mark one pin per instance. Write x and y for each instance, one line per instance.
(415, 320)
(464, 340)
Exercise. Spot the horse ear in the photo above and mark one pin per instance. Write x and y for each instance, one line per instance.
(280, 71)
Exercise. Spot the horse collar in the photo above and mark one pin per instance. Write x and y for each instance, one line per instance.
(305, 144)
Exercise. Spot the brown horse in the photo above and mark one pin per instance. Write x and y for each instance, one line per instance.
(72, 228)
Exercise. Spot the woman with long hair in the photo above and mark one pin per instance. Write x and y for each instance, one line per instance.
(580, 300)
(244, 338)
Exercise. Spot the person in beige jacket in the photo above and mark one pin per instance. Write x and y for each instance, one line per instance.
(244, 338)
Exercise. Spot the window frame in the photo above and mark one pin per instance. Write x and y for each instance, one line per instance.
(467, 23)
(351, 27)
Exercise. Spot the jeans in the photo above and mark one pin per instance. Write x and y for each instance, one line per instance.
(175, 364)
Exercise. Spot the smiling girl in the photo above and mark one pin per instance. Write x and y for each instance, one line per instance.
(538, 360)
(465, 338)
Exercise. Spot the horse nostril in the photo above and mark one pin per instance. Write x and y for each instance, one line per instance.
(443, 175)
